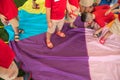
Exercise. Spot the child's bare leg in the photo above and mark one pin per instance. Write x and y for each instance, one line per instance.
(104, 38)
(107, 34)
(15, 24)
(48, 40)
(51, 29)
(9, 73)
(17, 18)
(59, 28)
(60, 34)
(98, 32)
(72, 25)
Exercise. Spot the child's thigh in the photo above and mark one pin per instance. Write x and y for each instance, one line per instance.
(14, 22)
(53, 28)
(10, 73)
(60, 23)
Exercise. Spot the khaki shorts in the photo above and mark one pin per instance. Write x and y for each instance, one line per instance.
(115, 28)
(74, 14)
(11, 71)
(56, 24)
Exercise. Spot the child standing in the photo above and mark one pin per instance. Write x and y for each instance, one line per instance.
(8, 14)
(74, 11)
(8, 68)
(55, 12)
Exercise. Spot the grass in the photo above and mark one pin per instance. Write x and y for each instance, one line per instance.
(18, 4)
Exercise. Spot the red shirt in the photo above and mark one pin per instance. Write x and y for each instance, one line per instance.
(8, 9)
(119, 1)
(100, 17)
(74, 2)
(6, 55)
(119, 14)
(58, 8)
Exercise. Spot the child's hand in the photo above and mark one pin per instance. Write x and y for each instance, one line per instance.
(3, 19)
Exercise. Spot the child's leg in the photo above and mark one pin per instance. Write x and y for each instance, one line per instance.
(104, 38)
(59, 28)
(15, 24)
(10, 73)
(49, 33)
(107, 35)
(98, 32)
(48, 40)
(75, 14)
(72, 25)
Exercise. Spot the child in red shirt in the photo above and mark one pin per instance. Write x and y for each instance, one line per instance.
(113, 7)
(99, 17)
(55, 12)
(115, 28)
(8, 13)
(8, 68)
(74, 11)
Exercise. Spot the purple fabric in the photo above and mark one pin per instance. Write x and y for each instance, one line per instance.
(68, 60)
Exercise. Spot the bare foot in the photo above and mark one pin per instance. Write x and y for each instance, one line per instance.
(36, 6)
